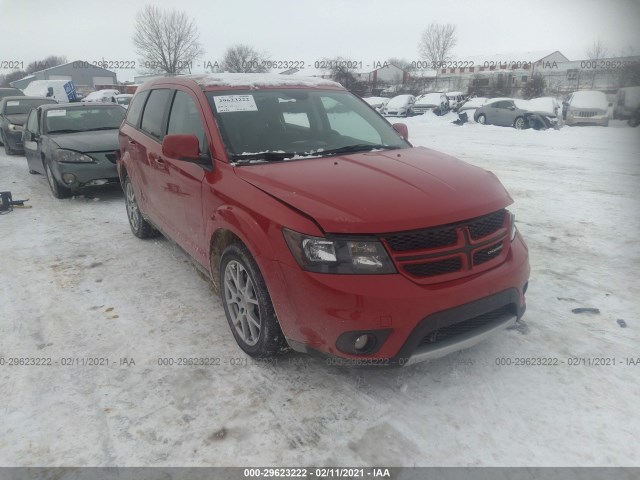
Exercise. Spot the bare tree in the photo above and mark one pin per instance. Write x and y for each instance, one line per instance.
(47, 62)
(437, 43)
(166, 41)
(597, 51)
(5, 80)
(341, 70)
(243, 58)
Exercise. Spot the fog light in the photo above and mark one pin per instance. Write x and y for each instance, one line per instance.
(68, 178)
(361, 342)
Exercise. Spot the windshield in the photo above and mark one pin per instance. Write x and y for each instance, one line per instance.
(274, 125)
(123, 100)
(17, 107)
(71, 120)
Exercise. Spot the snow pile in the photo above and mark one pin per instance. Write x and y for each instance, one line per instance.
(476, 102)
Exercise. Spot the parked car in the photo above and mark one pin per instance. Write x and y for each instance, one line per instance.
(399, 106)
(106, 95)
(123, 99)
(62, 91)
(323, 232)
(13, 114)
(428, 102)
(627, 100)
(377, 102)
(455, 98)
(503, 112)
(74, 145)
(10, 92)
(472, 103)
(586, 107)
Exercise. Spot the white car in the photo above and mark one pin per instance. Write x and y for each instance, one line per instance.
(106, 95)
(586, 107)
(377, 102)
(428, 102)
(455, 98)
(399, 106)
(124, 99)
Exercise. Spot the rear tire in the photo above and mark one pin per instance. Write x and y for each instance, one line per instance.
(58, 191)
(247, 304)
(139, 226)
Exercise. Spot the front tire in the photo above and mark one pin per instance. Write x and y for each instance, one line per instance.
(7, 149)
(139, 226)
(59, 191)
(482, 119)
(518, 124)
(248, 306)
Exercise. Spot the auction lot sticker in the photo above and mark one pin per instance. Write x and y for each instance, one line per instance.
(56, 113)
(235, 103)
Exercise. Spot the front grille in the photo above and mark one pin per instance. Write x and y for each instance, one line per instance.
(464, 326)
(486, 254)
(587, 114)
(403, 242)
(431, 269)
(486, 225)
(111, 157)
(440, 250)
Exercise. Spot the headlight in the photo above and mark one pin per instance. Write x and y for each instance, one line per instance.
(61, 155)
(15, 128)
(512, 226)
(338, 255)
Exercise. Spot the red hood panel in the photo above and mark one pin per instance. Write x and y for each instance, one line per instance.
(381, 192)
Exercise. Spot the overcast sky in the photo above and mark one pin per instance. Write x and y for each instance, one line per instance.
(363, 30)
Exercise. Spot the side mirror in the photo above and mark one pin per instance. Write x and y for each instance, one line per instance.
(402, 129)
(185, 148)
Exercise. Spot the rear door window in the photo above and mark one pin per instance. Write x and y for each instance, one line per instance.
(155, 112)
(135, 109)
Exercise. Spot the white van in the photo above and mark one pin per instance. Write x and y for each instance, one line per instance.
(627, 100)
(63, 91)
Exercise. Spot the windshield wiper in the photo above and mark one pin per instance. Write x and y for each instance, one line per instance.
(360, 147)
(68, 130)
(244, 158)
(99, 128)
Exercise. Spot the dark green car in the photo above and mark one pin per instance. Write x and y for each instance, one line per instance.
(74, 145)
(13, 114)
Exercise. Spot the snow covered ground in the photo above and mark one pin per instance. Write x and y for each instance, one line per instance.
(75, 284)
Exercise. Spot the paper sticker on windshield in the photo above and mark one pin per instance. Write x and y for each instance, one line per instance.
(13, 103)
(235, 103)
(56, 113)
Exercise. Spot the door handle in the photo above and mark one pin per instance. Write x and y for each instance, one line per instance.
(155, 158)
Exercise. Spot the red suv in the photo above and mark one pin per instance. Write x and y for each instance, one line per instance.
(319, 224)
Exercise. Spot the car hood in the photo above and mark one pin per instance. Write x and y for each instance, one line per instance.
(380, 192)
(18, 118)
(98, 141)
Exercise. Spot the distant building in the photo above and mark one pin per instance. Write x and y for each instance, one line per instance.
(509, 71)
(85, 76)
(507, 74)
